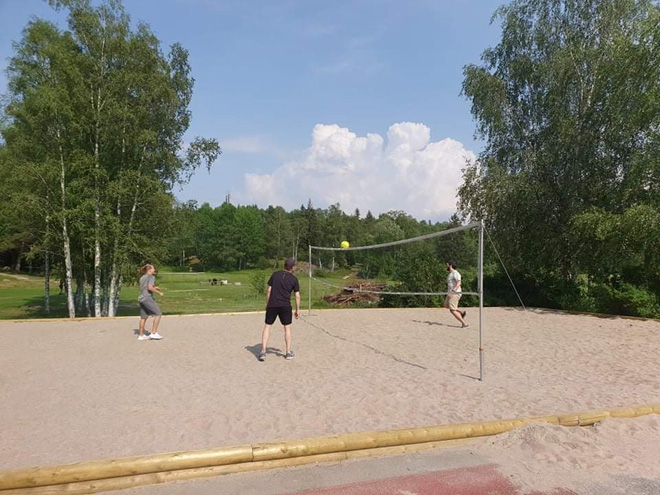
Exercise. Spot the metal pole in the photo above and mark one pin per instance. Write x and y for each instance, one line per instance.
(481, 300)
(309, 289)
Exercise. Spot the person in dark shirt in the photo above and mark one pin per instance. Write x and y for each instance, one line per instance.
(278, 303)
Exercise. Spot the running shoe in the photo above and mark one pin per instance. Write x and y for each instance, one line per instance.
(155, 336)
(465, 325)
(143, 337)
(463, 314)
(289, 355)
(262, 356)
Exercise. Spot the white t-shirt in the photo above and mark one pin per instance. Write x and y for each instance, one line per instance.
(452, 281)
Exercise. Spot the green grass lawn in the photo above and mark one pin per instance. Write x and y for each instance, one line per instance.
(22, 296)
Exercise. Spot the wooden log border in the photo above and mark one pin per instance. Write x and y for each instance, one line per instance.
(115, 474)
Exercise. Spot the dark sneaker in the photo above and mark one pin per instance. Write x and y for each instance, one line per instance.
(463, 314)
(289, 355)
(262, 356)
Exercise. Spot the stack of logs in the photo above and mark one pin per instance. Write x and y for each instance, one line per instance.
(347, 296)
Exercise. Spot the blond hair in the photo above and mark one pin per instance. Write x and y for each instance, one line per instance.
(146, 267)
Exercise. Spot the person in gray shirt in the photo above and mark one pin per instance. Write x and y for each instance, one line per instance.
(148, 304)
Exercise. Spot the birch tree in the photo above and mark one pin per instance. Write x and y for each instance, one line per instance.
(101, 112)
(568, 103)
(41, 135)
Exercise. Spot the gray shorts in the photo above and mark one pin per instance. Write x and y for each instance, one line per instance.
(149, 307)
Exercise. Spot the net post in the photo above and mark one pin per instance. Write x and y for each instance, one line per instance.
(309, 285)
(480, 270)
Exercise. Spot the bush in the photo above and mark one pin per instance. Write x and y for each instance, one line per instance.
(638, 301)
(321, 273)
(576, 296)
(627, 300)
(258, 283)
(264, 264)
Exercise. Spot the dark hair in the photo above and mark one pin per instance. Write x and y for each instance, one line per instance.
(452, 264)
(289, 263)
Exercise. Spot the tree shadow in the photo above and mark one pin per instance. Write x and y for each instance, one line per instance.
(542, 311)
(255, 350)
(33, 307)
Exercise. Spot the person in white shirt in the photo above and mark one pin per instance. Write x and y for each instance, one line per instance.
(454, 293)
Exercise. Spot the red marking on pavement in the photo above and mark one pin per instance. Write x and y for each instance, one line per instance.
(479, 480)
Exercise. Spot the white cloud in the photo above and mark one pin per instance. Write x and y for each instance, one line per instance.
(408, 172)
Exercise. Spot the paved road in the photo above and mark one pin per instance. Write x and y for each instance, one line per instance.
(453, 471)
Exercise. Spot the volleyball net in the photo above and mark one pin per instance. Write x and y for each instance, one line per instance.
(417, 265)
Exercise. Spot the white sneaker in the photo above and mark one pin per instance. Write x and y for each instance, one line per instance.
(155, 336)
(143, 337)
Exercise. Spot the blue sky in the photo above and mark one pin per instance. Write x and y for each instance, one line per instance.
(320, 100)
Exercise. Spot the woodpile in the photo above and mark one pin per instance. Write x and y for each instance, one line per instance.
(351, 294)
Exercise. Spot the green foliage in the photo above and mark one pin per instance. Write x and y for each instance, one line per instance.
(185, 293)
(568, 184)
(626, 300)
(569, 105)
(258, 283)
(95, 119)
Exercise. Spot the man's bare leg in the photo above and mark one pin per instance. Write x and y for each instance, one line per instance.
(154, 327)
(143, 321)
(459, 316)
(264, 338)
(287, 338)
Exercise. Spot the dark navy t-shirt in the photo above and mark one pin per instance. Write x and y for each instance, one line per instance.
(283, 283)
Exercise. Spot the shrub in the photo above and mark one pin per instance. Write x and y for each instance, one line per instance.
(627, 299)
(321, 273)
(258, 283)
(637, 301)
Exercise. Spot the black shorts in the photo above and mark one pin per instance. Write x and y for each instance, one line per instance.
(284, 312)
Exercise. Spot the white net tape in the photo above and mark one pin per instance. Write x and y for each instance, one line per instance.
(363, 291)
(403, 241)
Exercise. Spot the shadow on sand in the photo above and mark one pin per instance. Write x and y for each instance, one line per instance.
(255, 350)
(432, 323)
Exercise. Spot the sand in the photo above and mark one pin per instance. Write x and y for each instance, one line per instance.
(543, 457)
(615, 457)
(76, 391)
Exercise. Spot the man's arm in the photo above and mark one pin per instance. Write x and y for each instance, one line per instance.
(459, 281)
(268, 294)
(297, 313)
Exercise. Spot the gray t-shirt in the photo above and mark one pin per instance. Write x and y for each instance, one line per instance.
(145, 280)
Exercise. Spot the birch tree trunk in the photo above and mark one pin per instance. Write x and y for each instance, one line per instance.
(19, 257)
(114, 303)
(97, 226)
(85, 294)
(114, 279)
(97, 207)
(65, 238)
(47, 266)
(114, 300)
(113, 296)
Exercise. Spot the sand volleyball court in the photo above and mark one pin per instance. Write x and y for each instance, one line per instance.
(86, 390)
